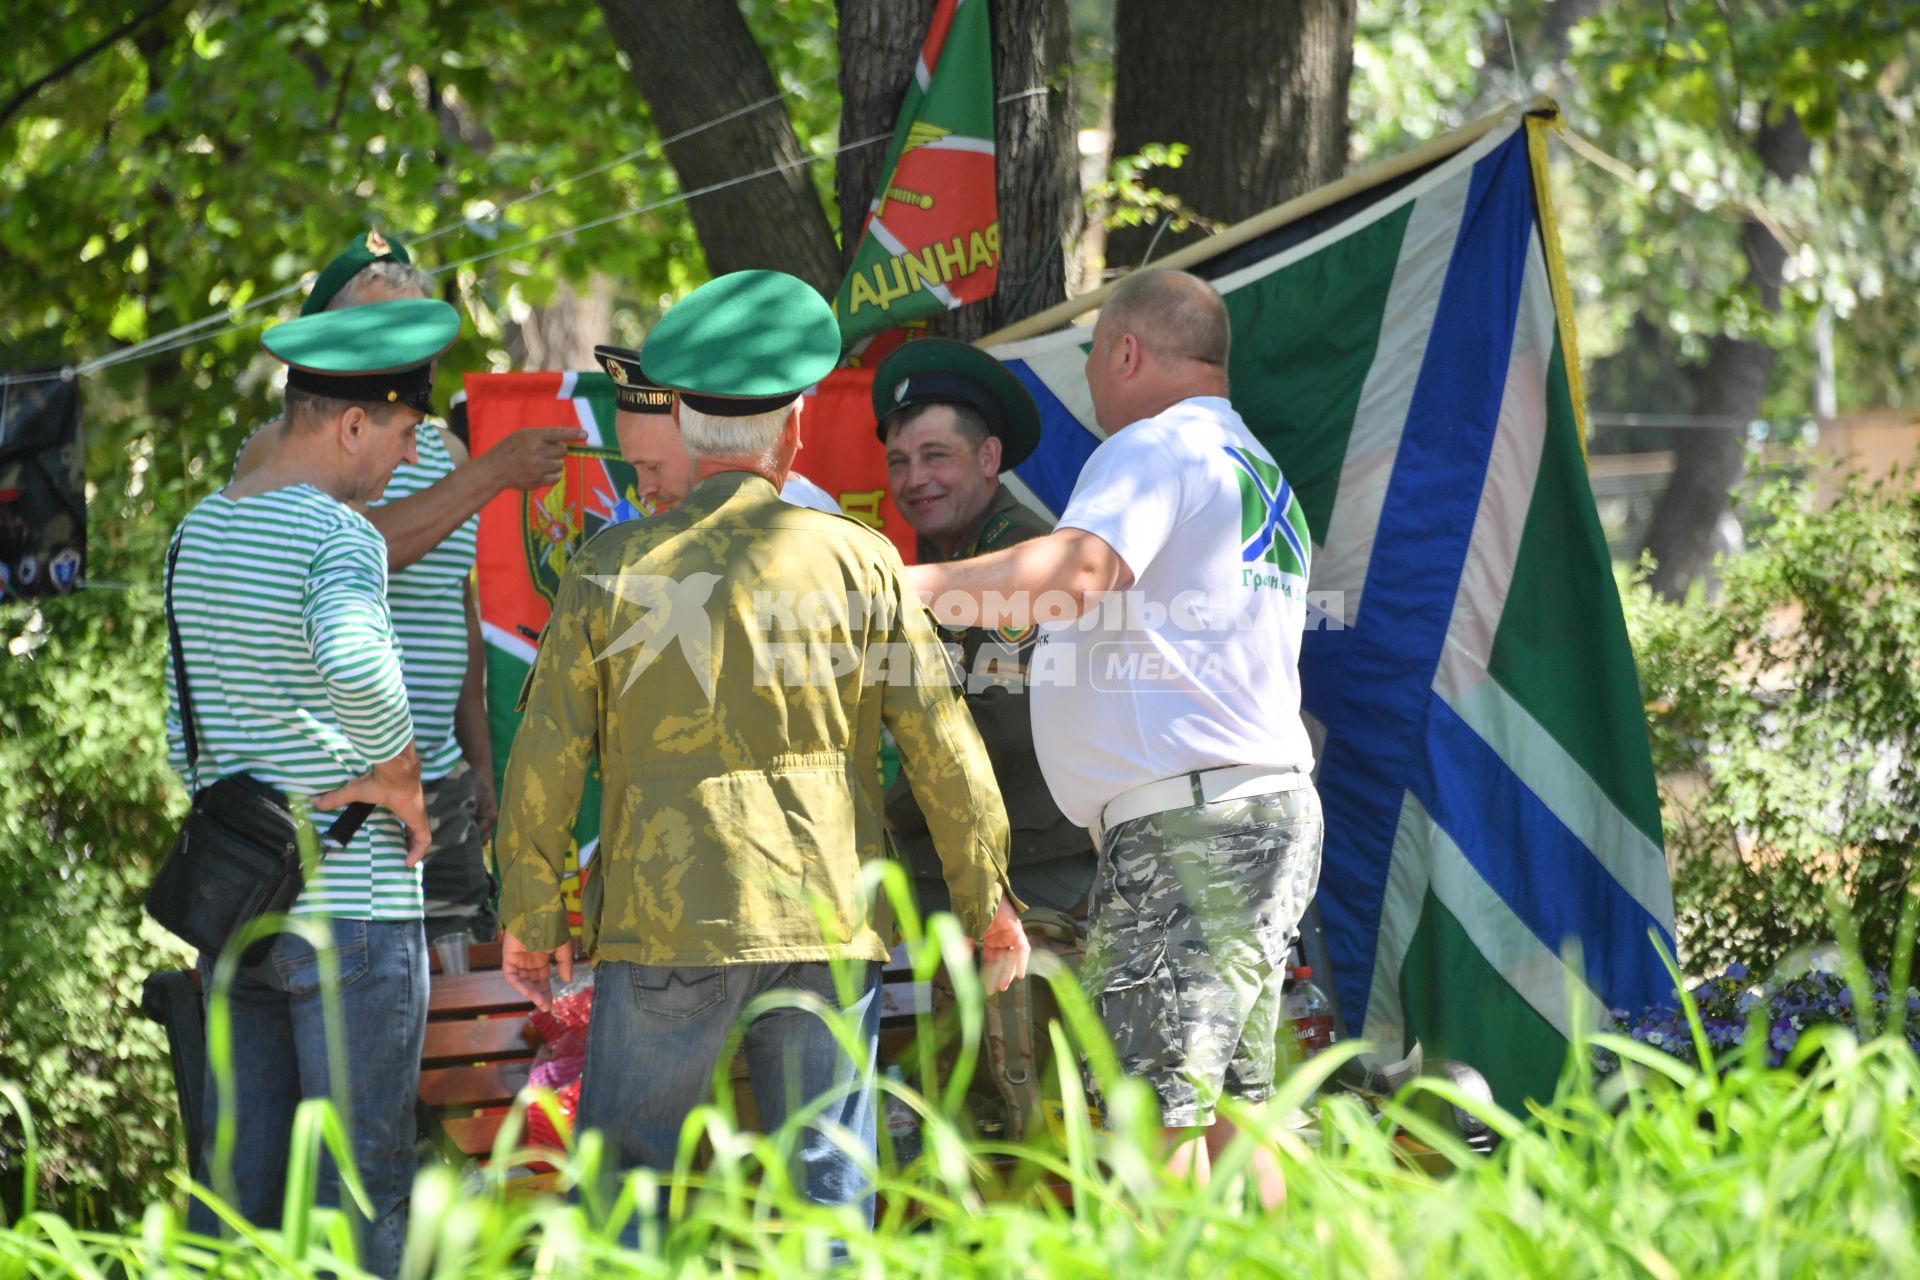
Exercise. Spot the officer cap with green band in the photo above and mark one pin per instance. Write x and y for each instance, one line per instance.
(743, 344)
(632, 392)
(942, 371)
(368, 249)
(381, 353)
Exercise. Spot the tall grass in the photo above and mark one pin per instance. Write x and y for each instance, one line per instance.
(1666, 1170)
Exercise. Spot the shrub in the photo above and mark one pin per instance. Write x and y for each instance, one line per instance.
(90, 804)
(1785, 716)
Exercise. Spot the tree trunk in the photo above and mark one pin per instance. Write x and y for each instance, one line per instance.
(1036, 177)
(563, 333)
(694, 60)
(1257, 90)
(1709, 461)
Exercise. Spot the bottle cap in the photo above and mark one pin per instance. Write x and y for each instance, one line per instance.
(1303, 974)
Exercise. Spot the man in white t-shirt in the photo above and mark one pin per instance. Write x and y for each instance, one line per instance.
(1166, 706)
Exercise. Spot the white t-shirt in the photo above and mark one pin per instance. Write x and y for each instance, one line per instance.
(801, 492)
(1198, 665)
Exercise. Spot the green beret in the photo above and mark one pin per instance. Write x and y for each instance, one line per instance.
(942, 371)
(382, 352)
(743, 344)
(370, 248)
(632, 392)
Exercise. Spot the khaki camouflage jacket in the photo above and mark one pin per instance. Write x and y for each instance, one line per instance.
(731, 663)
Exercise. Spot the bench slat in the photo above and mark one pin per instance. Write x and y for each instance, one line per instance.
(475, 1040)
(491, 1084)
(461, 995)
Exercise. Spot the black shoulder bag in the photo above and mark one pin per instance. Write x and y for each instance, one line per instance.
(238, 853)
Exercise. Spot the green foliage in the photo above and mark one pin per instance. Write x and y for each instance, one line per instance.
(1124, 198)
(1786, 726)
(90, 808)
(210, 160)
(1676, 92)
(1664, 1170)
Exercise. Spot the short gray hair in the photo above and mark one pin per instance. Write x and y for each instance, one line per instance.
(711, 436)
(390, 273)
(303, 410)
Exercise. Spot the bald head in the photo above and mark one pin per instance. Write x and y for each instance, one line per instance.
(1162, 337)
(1176, 316)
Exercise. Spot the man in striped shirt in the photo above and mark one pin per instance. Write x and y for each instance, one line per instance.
(429, 517)
(294, 675)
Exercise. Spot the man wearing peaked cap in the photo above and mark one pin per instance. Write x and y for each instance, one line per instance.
(954, 420)
(429, 516)
(740, 788)
(644, 423)
(286, 550)
(350, 263)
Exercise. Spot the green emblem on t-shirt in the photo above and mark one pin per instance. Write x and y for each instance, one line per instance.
(1272, 526)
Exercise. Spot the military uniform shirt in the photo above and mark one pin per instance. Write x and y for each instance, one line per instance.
(994, 662)
(732, 663)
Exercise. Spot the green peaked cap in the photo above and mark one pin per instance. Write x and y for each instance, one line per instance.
(744, 343)
(369, 248)
(381, 352)
(942, 371)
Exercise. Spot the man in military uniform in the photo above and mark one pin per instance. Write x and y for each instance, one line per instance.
(649, 434)
(953, 419)
(738, 741)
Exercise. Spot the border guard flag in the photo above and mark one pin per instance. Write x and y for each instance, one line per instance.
(932, 236)
(1403, 347)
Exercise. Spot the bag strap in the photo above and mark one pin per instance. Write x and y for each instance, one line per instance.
(180, 668)
(345, 826)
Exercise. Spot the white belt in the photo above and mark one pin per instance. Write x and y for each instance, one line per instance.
(1232, 782)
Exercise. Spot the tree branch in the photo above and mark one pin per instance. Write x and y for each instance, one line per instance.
(13, 105)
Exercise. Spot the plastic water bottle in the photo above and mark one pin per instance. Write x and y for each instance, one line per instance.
(903, 1124)
(1309, 1013)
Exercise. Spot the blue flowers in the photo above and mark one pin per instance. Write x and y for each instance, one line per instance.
(1785, 1011)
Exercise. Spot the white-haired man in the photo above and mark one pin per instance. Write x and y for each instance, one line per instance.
(738, 742)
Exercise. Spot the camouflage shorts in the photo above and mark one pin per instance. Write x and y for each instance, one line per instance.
(1194, 912)
(455, 885)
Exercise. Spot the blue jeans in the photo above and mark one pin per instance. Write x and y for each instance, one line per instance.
(280, 1058)
(657, 1033)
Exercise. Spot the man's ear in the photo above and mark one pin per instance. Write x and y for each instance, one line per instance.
(793, 421)
(990, 454)
(353, 429)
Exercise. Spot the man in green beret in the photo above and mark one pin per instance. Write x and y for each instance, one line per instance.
(429, 516)
(954, 420)
(308, 697)
(643, 422)
(738, 738)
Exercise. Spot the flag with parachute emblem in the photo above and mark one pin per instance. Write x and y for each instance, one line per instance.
(1494, 869)
(932, 236)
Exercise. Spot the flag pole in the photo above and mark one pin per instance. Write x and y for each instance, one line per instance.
(1280, 215)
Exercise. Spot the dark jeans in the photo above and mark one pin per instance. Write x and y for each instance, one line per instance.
(279, 1058)
(657, 1033)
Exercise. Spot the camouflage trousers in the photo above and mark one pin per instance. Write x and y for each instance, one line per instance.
(1194, 913)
